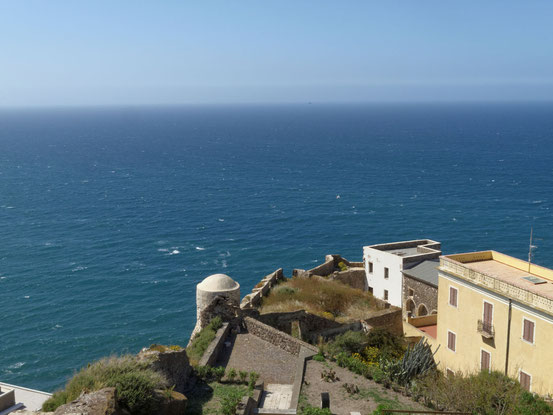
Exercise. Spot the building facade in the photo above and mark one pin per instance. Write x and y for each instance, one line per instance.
(384, 264)
(495, 312)
(420, 289)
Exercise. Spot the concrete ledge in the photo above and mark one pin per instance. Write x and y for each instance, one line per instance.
(268, 411)
(304, 355)
(212, 351)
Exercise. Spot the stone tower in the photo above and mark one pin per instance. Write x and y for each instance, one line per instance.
(217, 285)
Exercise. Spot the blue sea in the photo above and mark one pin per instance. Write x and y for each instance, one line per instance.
(109, 217)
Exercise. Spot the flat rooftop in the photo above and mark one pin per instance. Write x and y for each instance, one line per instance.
(513, 271)
(32, 399)
(410, 248)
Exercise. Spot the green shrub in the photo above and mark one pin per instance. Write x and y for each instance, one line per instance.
(253, 379)
(342, 266)
(230, 401)
(311, 410)
(390, 345)
(134, 381)
(203, 339)
(381, 407)
(59, 398)
(204, 372)
(319, 358)
(231, 374)
(219, 373)
(482, 393)
(243, 376)
(349, 342)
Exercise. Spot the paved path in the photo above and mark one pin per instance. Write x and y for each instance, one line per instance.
(249, 353)
(276, 396)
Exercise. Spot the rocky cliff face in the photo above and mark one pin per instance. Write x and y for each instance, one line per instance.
(173, 364)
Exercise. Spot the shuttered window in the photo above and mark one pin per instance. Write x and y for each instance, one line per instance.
(386, 273)
(528, 331)
(485, 361)
(525, 380)
(370, 267)
(453, 296)
(488, 313)
(451, 340)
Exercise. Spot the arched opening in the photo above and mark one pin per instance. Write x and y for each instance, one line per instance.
(434, 312)
(410, 307)
(422, 311)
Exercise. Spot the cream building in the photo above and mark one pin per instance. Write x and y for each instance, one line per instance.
(495, 312)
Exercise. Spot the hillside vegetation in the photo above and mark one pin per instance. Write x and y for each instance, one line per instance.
(320, 296)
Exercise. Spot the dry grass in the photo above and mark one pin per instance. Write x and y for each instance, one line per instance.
(317, 295)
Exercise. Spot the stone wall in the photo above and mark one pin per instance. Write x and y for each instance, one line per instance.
(423, 294)
(354, 277)
(212, 351)
(390, 319)
(174, 364)
(262, 289)
(308, 322)
(276, 337)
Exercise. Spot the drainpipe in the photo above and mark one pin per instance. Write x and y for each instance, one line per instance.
(508, 337)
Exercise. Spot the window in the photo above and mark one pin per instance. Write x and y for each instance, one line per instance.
(411, 292)
(451, 340)
(485, 360)
(370, 267)
(487, 314)
(453, 296)
(525, 380)
(528, 330)
(386, 295)
(386, 273)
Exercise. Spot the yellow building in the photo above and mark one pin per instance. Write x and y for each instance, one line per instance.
(494, 313)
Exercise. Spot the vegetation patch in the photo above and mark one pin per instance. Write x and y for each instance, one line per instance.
(320, 296)
(162, 349)
(215, 398)
(134, 381)
(202, 340)
(482, 393)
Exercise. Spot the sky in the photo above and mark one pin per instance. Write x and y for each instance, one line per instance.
(237, 51)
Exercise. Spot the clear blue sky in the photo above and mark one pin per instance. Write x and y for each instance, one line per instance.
(155, 52)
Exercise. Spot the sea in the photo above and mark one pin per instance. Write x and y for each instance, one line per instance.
(110, 216)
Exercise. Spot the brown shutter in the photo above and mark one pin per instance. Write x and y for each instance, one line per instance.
(528, 333)
(485, 360)
(451, 340)
(453, 296)
(488, 310)
(525, 380)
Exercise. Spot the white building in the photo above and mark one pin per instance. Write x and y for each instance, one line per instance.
(384, 264)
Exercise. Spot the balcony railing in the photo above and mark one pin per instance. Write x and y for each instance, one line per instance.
(485, 329)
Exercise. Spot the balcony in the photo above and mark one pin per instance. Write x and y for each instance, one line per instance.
(485, 329)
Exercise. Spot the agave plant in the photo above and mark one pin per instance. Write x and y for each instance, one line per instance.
(416, 361)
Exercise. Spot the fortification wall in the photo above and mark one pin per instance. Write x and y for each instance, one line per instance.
(276, 337)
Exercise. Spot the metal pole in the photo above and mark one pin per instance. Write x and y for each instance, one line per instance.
(508, 338)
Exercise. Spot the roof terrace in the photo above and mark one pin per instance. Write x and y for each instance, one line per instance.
(416, 250)
(528, 283)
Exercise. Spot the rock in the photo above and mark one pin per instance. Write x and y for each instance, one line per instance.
(173, 364)
(102, 402)
(175, 405)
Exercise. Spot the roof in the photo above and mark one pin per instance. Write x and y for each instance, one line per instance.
(410, 250)
(32, 399)
(514, 278)
(426, 271)
(218, 282)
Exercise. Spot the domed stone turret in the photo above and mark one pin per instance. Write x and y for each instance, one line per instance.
(217, 285)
